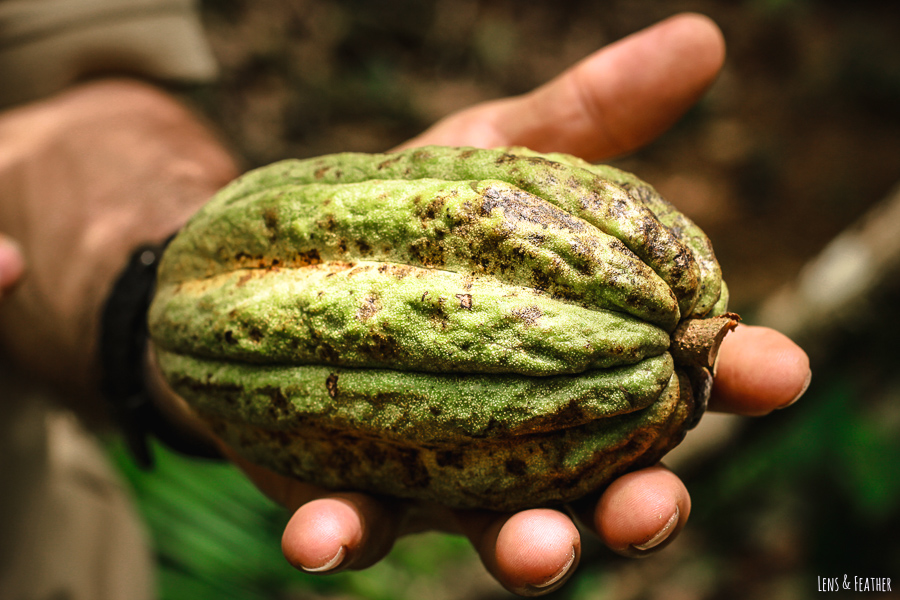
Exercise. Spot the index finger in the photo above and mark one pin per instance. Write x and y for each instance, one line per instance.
(759, 370)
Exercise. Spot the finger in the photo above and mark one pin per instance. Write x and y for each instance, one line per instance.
(612, 102)
(339, 532)
(531, 553)
(641, 512)
(12, 265)
(759, 370)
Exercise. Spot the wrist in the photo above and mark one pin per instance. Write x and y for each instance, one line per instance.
(139, 401)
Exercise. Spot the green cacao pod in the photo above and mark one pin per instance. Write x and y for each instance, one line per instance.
(478, 328)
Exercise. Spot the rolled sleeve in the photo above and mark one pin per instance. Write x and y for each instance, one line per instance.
(46, 45)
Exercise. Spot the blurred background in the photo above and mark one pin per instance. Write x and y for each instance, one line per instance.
(795, 143)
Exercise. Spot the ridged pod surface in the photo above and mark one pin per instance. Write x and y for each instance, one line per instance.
(478, 328)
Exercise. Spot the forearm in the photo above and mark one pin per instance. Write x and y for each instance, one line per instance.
(68, 163)
(86, 177)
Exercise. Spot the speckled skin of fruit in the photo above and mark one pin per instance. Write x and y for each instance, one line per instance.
(478, 328)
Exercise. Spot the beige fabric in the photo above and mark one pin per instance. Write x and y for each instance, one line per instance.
(68, 529)
(67, 525)
(46, 45)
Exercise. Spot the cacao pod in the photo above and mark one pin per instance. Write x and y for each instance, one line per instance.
(478, 328)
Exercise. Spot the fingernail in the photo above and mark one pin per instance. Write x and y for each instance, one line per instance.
(331, 564)
(802, 391)
(555, 580)
(660, 536)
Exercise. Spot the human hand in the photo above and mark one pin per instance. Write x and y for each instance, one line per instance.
(612, 102)
(85, 177)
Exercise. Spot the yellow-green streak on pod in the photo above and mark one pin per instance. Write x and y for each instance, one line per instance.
(576, 190)
(394, 316)
(471, 227)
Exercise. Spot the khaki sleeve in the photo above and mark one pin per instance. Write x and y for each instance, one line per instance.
(46, 45)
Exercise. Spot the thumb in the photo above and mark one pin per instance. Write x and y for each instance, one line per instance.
(612, 102)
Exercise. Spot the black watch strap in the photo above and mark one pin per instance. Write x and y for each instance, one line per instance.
(123, 345)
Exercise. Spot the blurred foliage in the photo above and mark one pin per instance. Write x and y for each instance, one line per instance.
(217, 537)
(808, 492)
(214, 534)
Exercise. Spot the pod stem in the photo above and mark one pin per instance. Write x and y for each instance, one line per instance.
(696, 342)
(695, 349)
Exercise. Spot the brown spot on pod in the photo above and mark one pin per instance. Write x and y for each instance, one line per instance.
(516, 467)
(421, 154)
(381, 347)
(367, 309)
(270, 219)
(328, 222)
(450, 458)
(388, 163)
(278, 403)
(331, 385)
(305, 259)
(528, 314)
(427, 253)
(327, 353)
(434, 208)
(520, 206)
(402, 271)
(415, 473)
(438, 314)
(465, 301)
